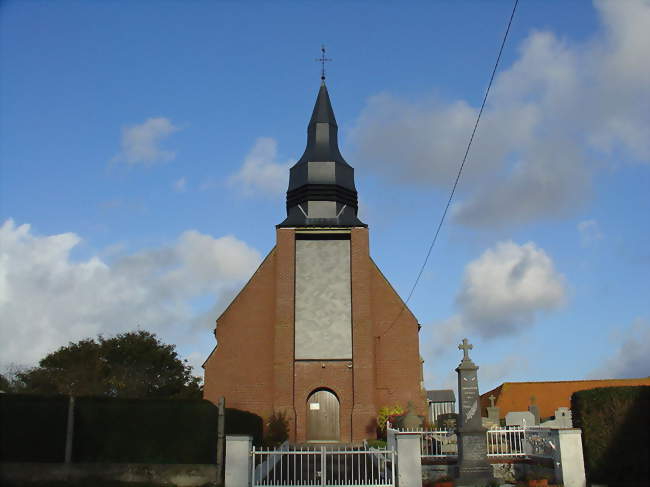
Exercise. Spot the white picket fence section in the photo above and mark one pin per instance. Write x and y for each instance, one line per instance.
(433, 443)
(324, 466)
(505, 441)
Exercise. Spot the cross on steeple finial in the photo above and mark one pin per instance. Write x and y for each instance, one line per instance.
(322, 59)
(465, 347)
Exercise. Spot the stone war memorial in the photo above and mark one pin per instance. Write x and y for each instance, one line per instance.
(313, 335)
(473, 466)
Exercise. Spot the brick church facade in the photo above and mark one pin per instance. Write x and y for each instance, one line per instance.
(318, 333)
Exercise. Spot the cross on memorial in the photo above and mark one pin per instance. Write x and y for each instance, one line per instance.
(465, 347)
(492, 398)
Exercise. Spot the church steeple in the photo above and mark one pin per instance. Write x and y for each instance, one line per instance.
(321, 184)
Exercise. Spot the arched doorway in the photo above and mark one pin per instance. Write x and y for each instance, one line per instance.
(323, 416)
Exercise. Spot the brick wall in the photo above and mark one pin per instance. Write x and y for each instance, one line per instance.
(241, 366)
(334, 375)
(253, 365)
(398, 365)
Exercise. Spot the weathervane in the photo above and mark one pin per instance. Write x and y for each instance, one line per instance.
(322, 59)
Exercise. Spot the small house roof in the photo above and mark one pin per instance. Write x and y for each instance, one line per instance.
(441, 395)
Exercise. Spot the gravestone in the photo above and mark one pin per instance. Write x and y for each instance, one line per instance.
(447, 421)
(412, 421)
(520, 418)
(563, 417)
(493, 412)
(534, 410)
(561, 420)
(473, 466)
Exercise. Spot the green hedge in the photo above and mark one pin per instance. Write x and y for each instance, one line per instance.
(32, 428)
(240, 422)
(615, 423)
(145, 430)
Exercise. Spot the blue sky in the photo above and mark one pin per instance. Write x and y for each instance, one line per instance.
(144, 151)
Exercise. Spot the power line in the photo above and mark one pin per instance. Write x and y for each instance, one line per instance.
(460, 169)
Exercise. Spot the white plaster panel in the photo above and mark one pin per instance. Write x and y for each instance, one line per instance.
(321, 209)
(323, 313)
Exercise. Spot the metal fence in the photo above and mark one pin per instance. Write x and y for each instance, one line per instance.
(433, 443)
(518, 441)
(508, 441)
(323, 465)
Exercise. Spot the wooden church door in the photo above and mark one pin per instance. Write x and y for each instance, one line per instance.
(322, 416)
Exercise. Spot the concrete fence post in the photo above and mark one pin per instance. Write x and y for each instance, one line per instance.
(238, 460)
(69, 434)
(221, 439)
(568, 459)
(409, 462)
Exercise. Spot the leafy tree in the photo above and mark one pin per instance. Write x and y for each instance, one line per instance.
(5, 384)
(134, 364)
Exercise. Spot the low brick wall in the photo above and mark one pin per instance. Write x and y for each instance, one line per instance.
(183, 475)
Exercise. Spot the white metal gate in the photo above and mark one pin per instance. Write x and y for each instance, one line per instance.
(324, 465)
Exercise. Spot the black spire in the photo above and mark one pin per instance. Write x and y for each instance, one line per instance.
(321, 184)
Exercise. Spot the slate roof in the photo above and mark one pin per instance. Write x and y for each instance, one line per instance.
(321, 174)
(441, 395)
(515, 396)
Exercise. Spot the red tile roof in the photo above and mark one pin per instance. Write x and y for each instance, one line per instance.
(516, 396)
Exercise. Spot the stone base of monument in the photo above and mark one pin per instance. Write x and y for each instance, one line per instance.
(473, 466)
(474, 474)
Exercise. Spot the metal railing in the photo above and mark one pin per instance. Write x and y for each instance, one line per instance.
(518, 441)
(323, 465)
(505, 441)
(433, 443)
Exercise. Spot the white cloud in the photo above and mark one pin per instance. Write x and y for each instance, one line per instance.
(551, 114)
(502, 293)
(261, 172)
(140, 144)
(631, 359)
(48, 299)
(507, 286)
(589, 232)
(180, 185)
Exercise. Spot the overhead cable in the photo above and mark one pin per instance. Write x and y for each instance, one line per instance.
(460, 169)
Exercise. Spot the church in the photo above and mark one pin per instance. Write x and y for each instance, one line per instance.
(318, 333)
